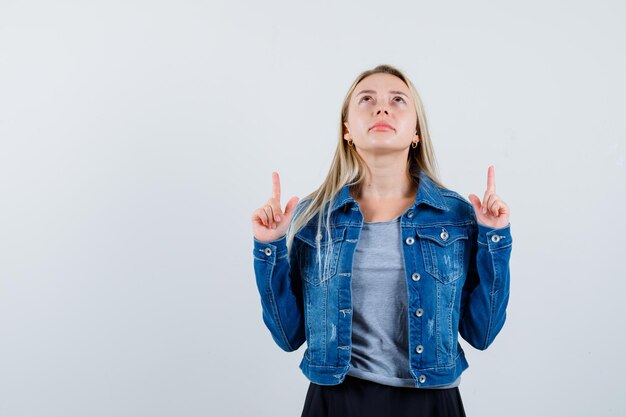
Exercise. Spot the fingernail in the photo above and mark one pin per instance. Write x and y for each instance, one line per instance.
(277, 218)
(273, 225)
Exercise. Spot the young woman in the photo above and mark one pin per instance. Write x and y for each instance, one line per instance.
(381, 268)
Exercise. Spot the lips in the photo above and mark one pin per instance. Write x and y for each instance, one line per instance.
(380, 125)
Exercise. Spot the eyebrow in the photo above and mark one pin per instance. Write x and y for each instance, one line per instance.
(374, 92)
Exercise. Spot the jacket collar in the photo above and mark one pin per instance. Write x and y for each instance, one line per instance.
(427, 193)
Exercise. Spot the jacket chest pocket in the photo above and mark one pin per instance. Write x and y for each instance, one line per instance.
(443, 249)
(318, 266)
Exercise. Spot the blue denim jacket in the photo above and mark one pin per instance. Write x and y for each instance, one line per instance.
(457, 276)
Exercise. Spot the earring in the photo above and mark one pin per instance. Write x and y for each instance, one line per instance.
(350, 142)
(414, 144)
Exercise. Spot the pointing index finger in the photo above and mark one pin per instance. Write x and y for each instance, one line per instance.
(491, 179)
(276, 186)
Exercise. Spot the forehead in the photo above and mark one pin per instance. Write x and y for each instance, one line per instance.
(381, 82)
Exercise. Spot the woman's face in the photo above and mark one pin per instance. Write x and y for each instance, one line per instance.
(381, 98)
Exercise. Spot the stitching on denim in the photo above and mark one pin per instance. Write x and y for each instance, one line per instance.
(500, 247)
(275, 309)
(459, 265)
(432, 368)
(426, 255)
(308, 318)
(435, 201)
(437, 332)
(450, 309)
(491, 301)
(432, 259)
(420, 323)
(325, 321)
(442, 223)
(310, 365)
(457, 196)
(437, 368)
(306, 299)
(429, 251)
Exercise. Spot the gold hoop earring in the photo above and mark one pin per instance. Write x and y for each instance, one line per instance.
(350, 143)
(414, 144)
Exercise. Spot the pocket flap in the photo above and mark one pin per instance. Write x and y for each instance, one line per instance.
(309, 235)
(443, 235)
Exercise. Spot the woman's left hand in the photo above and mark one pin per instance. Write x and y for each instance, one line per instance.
(492, 212)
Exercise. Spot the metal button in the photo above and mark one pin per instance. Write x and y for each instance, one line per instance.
(318, 237)
(495, 238)
(419, 312)
(410, 240)
(268, 251)
(422, 379)
(409, 214)
(444, 234)
(419, 349)
(415, 277)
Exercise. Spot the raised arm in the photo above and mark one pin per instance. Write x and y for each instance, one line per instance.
(485, 294)
(277, 274)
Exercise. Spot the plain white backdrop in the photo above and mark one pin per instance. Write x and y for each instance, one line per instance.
(136, 139)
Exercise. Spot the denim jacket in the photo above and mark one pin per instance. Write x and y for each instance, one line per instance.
(457, 277)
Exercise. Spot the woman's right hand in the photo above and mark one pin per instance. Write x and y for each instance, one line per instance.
(270, 222)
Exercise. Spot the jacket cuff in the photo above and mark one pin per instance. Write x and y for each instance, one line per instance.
(270, 251)
(495, 238)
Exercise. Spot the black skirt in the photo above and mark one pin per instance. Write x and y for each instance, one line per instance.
(356, 397)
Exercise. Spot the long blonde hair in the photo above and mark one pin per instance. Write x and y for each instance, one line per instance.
(349, 168)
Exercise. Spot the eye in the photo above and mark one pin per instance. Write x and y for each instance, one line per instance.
(400, 98)
(363, 98)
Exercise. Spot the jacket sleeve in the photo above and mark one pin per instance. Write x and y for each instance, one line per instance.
(280, 287)
(485, 294)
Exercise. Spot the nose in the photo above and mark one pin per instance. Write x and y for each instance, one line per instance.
(382, 107)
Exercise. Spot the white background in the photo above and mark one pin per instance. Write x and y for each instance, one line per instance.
(136, 139)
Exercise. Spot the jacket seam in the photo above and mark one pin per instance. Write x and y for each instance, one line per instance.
(492, 296)
(455, 195)
(275, 309)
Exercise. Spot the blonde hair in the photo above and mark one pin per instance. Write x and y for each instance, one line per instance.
(349, 168)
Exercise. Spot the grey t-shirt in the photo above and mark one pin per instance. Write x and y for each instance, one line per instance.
(379, 304)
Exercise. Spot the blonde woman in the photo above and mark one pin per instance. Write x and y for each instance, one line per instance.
(382, 268)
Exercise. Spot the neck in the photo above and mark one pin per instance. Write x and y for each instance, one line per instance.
(387, 182)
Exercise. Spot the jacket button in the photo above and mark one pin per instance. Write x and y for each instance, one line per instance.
(409, 214)
(444, 234)
(419, 349)
(495, 238)
(318, 237)
(422, 379)
(415, 277)
(409, 240)
(268, 251)
(419, 312)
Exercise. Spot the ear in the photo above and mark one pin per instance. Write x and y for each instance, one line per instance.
(346, 136)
